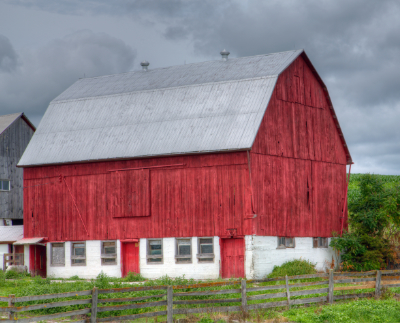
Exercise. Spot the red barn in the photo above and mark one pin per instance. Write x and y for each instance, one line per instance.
(226, 167)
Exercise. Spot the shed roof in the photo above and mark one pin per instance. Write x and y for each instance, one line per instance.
(11, 233)
(195, 108)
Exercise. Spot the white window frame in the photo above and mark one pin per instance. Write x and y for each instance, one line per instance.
(183, 259)
(1, 185)
(285, 243)
(108, 255)
(74, 257)
(320, 242)
(204, 257)
(149, 257)
(51, 254)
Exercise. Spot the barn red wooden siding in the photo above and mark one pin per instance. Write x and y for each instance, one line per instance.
(298, 168)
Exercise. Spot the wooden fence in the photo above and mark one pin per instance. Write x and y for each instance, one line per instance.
(175, 300)
(10, 259)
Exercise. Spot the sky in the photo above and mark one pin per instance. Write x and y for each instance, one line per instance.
(46, 45)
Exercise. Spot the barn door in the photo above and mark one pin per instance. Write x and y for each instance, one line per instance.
(232, 258)
(130, 258)
(37, 260)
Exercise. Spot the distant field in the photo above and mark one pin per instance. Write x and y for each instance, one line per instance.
(388, 180)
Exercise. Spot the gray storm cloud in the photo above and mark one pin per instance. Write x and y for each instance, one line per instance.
(8, 56)
(47, 71)
(354, 45)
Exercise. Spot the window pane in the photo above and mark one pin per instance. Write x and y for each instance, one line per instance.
(281, 242)
(206, 248)
(57, 253)
(109, 250)
(184, 250)
(78, 261)
(108, 260)
(289, 242)
(6, 185)
(154, 259)
(208, 241)
(155, 247)
(184, 260)
(206, 259)
(78, 249)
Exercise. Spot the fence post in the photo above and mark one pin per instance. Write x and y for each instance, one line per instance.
(287, 290)
(11, 301)
(95, 294)
(378, 283)
(244, 295)
(331, 286)
(169, 305)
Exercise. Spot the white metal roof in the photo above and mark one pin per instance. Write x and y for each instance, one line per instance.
(11, 233)
(194, 108)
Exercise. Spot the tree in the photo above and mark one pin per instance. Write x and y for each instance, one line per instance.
(374, 226)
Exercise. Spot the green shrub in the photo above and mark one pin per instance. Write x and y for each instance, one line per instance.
(133, 277)
(14, 274)
(2, 278)
(293, 268)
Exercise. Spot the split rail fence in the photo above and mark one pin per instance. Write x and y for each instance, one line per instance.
(173, 300)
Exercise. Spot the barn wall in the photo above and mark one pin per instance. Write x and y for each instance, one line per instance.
(201, 196)
(194, 270)
(298, 122)
(13, 142)
(262, 255)
(298, 161)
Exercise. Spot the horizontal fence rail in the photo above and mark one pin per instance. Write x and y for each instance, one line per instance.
(239, 295)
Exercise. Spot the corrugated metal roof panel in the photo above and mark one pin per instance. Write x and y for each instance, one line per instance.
(11, 233)
(204, 107)
(7, 120)
(28, 241)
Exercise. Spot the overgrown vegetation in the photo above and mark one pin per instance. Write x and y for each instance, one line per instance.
(374, 223)
(293, 268)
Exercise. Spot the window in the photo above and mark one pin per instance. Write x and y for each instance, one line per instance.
(320, 242)
(183, 251)
(108, 253)
(285, 242)
(4, 185)
(78, 254)
(154, 251)
(57, 254)
(205, 252)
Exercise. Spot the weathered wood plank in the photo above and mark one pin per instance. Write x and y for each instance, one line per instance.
(272, 287)
(331, 286)
(378, 283)
(310, 291)
(287, 290)
(50, 296)
(364, 286)
(95, 295)
(128, 299)
(51, 305)
(244, 295)
(50, 316)
(266, 296)
(207, 309)
(4, 299)
(170, 299)
(209, 301)
(347, 296)
(131, 289)
(266, 305)
(11, 302)
(309, 300)
(390, 285)
(290, 278)
(130, 306)
(394, 271)
(209, 292)
(131, 317)
(354, 280)
(203, 285)
(344, 274)
(324, 282)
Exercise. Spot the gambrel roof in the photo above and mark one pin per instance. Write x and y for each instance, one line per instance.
(195, 108)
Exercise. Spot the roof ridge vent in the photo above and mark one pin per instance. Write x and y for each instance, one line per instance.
(224, 55)
(145, 65)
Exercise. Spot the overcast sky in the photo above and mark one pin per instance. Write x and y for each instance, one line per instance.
(47, 45)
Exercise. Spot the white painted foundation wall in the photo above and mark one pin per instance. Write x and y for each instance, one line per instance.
(262, 255)
(194, 270)
(93, 263)
(3, 250)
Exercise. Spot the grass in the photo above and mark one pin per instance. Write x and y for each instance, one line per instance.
(293, 268)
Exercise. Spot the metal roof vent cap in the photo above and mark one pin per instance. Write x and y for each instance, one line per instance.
(224, 55)
(145, 65)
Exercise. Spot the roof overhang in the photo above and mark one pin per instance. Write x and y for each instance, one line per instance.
(29, 241)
